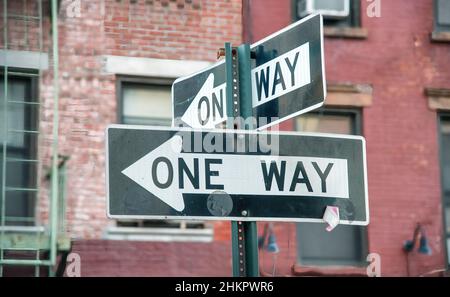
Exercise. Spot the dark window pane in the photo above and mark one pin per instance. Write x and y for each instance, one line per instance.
(445, 143)
(447, 218)
(445, 169)
(345, 245)
(342, 246)
(443, 12)
(20, 150)
(15, 112)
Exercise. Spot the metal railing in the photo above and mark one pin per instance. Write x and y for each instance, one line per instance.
(32, 245)
(30, 240)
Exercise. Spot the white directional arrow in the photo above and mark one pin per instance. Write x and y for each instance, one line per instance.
(168, 173)
(208, 107)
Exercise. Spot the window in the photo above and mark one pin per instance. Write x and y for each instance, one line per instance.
(444, 131)
(442, 15)
(147, 101)
(342, 13)
(18, 156)
(345, 245)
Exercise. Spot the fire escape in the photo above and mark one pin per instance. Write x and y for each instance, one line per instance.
(32, 174)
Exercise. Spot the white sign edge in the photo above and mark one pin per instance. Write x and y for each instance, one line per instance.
(214, 218)
(324, 84)
(185, 78)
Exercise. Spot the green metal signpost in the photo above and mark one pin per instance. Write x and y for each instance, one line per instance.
(239, 93)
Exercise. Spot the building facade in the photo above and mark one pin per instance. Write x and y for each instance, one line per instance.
(388, 79)
(391, 69)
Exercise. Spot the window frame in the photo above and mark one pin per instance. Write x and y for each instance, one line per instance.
(357, 124)
(192, 231)
(443, 116)
(120, 80)
(137, 80)
(30, 146)
(436, 26)
(355, 113)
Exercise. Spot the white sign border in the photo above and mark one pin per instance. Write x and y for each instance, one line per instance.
(215, 218)
(318, 105)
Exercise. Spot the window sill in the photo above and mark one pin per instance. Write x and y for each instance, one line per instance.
(159, 234)
(440, 37)
(346, 32)
(438, 98)
(349, 95)
(24, 59)
(298, 270)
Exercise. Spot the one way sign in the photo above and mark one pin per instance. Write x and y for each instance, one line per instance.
(156, 172)
(287, 79)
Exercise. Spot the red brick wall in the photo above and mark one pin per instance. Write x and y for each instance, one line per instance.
(399, 61)
(166, 30)
(178, 30)
(24, 34)
(125, 258)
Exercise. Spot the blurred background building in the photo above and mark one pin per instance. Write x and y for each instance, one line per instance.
(93, 63)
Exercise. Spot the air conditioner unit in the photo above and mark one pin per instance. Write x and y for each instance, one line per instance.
(335, 9)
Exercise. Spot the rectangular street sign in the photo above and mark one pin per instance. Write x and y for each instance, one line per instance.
(183, 173)
(287, 78)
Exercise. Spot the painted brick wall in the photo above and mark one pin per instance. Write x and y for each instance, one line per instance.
(180, 30)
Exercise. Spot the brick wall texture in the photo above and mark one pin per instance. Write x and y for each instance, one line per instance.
(181, 30)
(399, 61)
